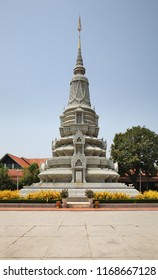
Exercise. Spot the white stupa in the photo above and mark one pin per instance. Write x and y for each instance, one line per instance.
(78, 159)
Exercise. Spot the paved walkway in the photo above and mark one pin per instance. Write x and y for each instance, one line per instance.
(79, 234)
(144, 208)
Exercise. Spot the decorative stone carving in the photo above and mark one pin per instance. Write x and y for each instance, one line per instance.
(78, 137)
(76, 158)
(79, 91)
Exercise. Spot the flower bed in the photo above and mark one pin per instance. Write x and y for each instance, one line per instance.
(9, 195)
(35, 197)
(51, 196)
(151, 195)
(118, 197)
(110, 196)
(44, 196)
(126, 201)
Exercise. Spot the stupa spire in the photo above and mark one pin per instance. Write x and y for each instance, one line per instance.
(79, 30)
(79, 69)
(79, 86)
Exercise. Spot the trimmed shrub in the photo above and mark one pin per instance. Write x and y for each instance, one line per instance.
(139, 196)
(110, 196)
(89, 193)
(64, 193)
(148, 195)
(44, 195)
(9, 194)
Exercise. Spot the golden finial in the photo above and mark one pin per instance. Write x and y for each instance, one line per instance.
(79, 24)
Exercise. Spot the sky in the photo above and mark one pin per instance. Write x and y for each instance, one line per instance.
(38, 50)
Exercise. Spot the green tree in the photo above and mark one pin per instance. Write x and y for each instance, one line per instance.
(136, 151)
(30, 175)
(6, 182)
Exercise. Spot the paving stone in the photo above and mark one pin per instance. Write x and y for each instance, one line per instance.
(108, 248)
(43, 231)
(72, 231)
(5, 243)
(73, 247)
(136, 230)
(34, 247)
(79, 235)
(101, 231)
(14, 230)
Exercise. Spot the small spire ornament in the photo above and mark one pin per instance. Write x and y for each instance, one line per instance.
(79, 24)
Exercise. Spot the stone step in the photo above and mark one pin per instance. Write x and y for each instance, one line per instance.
(77, 199)
(78, 204)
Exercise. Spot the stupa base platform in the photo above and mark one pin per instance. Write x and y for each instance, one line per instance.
(78, 189)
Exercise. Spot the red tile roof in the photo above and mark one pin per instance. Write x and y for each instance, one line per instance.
(25, 162)
(14, 174)
(20, 161)
(35, 160)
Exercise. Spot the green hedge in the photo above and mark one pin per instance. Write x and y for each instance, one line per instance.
(26, 201)
(128, 201)
(100, 201)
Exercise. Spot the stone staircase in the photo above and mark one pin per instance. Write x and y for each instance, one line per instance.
(77, 202)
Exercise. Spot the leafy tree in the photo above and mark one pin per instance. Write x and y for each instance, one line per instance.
(6, 182)
(30, 175)
(136, 151)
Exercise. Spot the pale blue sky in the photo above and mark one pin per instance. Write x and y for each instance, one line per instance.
(38, 49)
